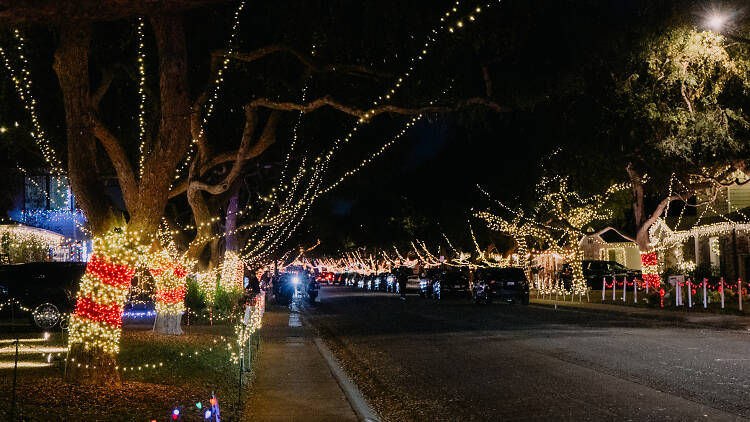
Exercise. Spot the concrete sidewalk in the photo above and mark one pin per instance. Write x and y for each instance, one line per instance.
(293, 381)
(693, 317)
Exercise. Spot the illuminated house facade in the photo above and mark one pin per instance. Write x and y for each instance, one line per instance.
(609, 244)
(45, 201)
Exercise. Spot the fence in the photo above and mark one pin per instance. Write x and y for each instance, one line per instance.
(687, 293)
(682, 290)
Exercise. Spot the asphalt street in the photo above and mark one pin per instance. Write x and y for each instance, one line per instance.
(451, 360)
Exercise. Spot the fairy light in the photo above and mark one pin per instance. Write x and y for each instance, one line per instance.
(296, 205)
(22, 82)
(216, 88)
(169, 274)
(97, 321)
(141, 94)
(232, 271)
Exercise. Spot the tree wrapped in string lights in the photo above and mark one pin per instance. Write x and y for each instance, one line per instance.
(96, 325)
(169, 272)
(557, 221)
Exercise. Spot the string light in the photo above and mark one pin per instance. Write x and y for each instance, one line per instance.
(22, 82)
(142, 94)
(97, 321)
(216, 88)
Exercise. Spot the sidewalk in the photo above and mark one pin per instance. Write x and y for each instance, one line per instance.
(293, 381)
(697, 317)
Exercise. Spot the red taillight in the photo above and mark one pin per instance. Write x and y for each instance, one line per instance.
(492, 281)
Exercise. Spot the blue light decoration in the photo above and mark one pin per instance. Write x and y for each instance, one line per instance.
(131, 314)
(175, 414)
(207, 415)
(64, 221)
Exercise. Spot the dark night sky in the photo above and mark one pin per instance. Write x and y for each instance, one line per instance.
(552, 62)
(556, 69)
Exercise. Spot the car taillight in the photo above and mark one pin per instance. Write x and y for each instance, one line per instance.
(492, 281)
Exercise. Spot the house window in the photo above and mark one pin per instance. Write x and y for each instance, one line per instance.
(48, 193)
(59, 193)
(613, 254)
(738, 196)
(36, 192)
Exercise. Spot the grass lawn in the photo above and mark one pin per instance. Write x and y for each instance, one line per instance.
(179, 380)
(731, 305)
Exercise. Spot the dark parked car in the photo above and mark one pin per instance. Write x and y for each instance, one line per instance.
(450, 283)
(48, 289)
(595, 271)
(508, 284)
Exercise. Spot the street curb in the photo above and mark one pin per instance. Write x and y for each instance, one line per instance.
(360, 406)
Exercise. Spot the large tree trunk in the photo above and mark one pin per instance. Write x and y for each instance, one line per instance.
(72, 68)
(96, 326)
(173, 139)
(88, 361)
(168, 324)
(231, 222)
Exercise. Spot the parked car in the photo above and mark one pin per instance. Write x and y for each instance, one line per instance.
(391, 284)
(595, 271)
(48, 289)
(285, 287)
(507, 284)
(427, 279)
(450, 283)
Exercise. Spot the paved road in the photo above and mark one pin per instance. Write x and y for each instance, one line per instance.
(422, 360)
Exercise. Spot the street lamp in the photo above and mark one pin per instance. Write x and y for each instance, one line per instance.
(716, 21)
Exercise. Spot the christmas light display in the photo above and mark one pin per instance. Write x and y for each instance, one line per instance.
(216, 88)
(650, 269)
(232, 271)
(169, 272)
(97, 321)
(22, 82)
(141, 94)
(207, 284)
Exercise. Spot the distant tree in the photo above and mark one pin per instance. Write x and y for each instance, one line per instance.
(685, 110)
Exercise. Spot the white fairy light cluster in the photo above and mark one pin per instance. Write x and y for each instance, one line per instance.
(142, 94)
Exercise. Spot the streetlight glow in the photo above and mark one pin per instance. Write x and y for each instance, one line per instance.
(716, 21)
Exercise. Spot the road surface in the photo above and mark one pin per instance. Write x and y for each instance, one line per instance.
(454, 361)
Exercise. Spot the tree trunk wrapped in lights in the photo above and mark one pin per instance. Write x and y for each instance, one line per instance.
(96, 325)
(650, 269)
(578, 284)
(170, 292)
(232, 272)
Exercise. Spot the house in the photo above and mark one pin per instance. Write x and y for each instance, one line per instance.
(44, 210)
(609, 244)
(716, 240)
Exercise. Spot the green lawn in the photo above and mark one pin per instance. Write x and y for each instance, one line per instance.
(731, 305)
(179, 379)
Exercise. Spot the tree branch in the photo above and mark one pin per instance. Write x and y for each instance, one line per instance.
(120, 162)
(251, 118)
(306, 60)
(13, 12)
(267, 138)
(104, 84)
(367, 114)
